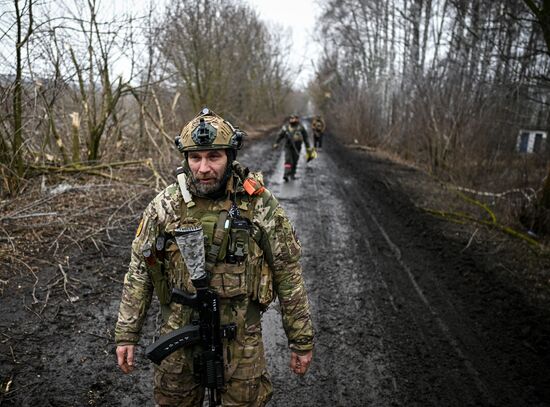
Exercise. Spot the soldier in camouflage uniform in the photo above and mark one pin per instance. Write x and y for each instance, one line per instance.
(318, 126)
(294, 134)
(212, 183)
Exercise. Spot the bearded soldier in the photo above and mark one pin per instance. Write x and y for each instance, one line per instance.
(294, 134)
(252, 256)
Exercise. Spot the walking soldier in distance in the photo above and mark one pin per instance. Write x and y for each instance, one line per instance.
(318, 126)
(293, 134)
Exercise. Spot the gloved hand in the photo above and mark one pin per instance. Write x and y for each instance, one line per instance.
(311, 154)
(275, 145)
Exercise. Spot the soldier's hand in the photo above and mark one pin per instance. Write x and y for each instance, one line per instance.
(125, 357)
(311, 153)
(300, 363)
(274, 146)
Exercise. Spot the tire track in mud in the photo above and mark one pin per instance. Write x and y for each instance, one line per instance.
(426, 320)
(449, 343)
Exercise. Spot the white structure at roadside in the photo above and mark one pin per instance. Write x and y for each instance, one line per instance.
(531, 141)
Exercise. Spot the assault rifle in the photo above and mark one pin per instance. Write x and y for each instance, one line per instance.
(207, 331)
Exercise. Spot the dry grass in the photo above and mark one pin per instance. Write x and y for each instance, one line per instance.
(58, 214)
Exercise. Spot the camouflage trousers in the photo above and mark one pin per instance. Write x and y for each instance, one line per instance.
(292, 154)
(247, 386)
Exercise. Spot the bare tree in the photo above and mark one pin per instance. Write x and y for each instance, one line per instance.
(12, 137)
(223, 56)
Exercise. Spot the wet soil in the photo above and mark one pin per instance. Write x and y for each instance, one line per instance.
(409, 310)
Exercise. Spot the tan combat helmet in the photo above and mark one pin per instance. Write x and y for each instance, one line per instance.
(208, 131)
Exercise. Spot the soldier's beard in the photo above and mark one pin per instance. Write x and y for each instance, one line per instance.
(210, 188)
(214, 188)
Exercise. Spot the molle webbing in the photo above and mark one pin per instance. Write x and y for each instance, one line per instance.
(217, 241)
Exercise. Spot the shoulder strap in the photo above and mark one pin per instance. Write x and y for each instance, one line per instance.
(217, 241)
(182, 182)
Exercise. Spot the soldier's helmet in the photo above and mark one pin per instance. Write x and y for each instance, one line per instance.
(294, 119)
(208, 131)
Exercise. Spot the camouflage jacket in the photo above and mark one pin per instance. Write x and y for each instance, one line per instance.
(293, 134)
(318, 125)
(271, 268)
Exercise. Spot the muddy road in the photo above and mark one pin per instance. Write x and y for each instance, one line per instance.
(404, 314)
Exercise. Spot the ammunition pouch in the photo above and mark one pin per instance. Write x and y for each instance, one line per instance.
(229, 280)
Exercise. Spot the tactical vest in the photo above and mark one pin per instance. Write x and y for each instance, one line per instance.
(238, 267)
(295, 133)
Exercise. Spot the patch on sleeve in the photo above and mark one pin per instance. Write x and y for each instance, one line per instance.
(140, 228)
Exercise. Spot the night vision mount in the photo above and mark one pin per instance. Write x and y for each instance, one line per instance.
(204, 134)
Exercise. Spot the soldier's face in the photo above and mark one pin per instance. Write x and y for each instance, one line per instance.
(208, 168)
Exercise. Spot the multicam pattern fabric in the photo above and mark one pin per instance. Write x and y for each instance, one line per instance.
(271, 269)
(189, 239)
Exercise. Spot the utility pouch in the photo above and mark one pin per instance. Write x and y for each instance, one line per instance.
(260, 278)
(229, 280)
(155, 263)
(237, 248)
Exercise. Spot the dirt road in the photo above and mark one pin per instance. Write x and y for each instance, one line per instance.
(405, 315)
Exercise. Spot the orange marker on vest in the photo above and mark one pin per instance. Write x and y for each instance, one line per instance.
(252, 187)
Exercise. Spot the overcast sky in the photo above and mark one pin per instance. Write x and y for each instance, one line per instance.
(295, 16)
(299, 16)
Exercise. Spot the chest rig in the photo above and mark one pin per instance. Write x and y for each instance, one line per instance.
(235, 260)
(294, 134)
(230, 248)
(227, 238)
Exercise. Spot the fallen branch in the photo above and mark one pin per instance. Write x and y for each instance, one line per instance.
(362, 148)
(99, 336)
(479, 204)
(458, 217)
(84, 168)
(497, 194)
(65, 283)
(470, 240)
(30, 215)
(95, 169)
